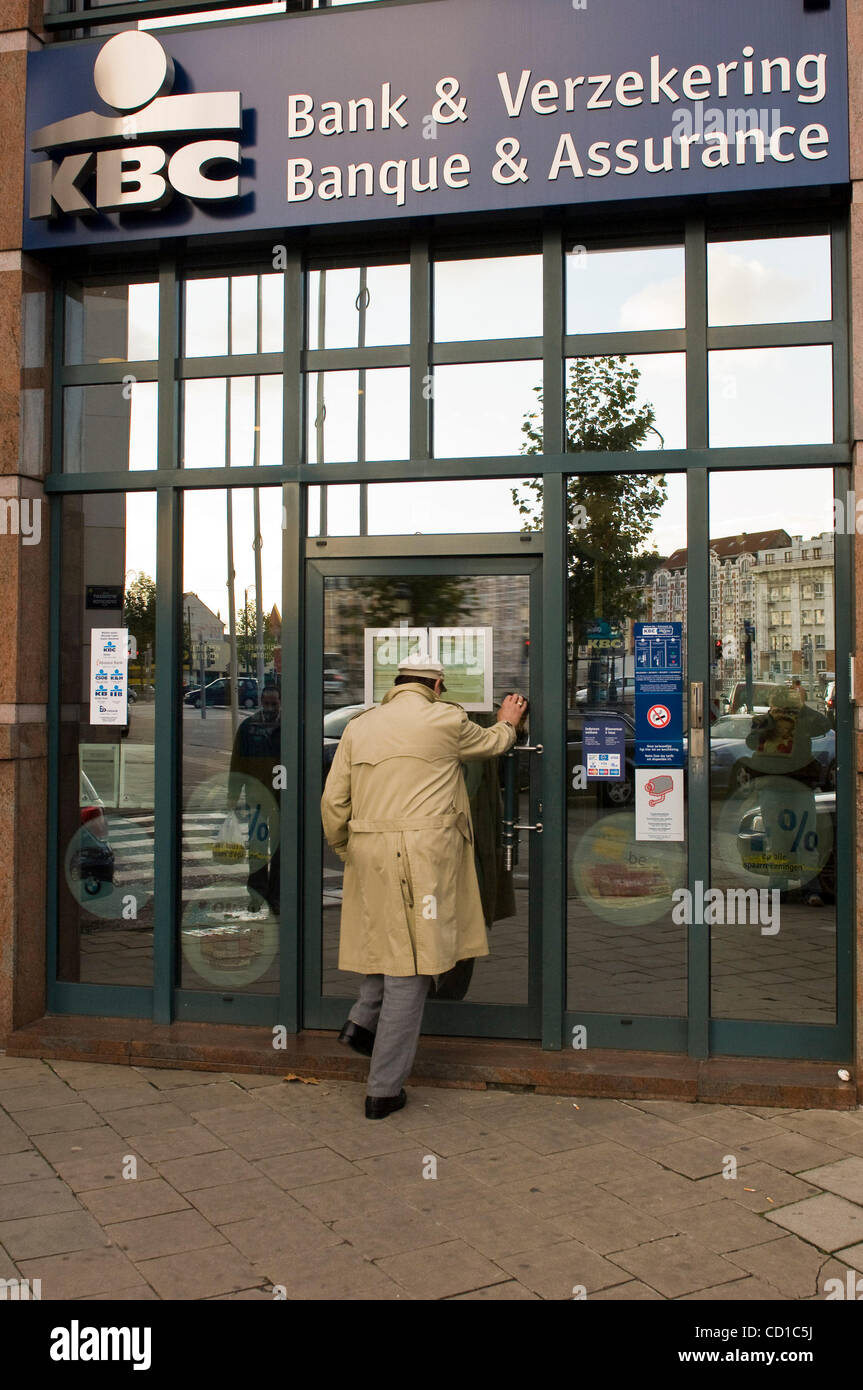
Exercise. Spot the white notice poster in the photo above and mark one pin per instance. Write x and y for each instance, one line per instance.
(108, 668)
(659, 803)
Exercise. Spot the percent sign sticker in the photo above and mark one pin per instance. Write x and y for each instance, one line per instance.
(789, 820)
(775, 833)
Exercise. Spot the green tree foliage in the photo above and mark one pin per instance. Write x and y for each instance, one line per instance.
(247, 637)
(417, 600)
(139, 611)
(610, 516)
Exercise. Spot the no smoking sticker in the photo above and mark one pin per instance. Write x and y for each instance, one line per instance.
(658, 716)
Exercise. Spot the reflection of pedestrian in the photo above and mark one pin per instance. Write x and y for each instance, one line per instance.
(781, 741)
(255, 754)
(495, 881)
(395, 809)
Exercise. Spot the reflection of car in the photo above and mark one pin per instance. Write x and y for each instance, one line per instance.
(730, 754)
(335, 684)
(613, 793)
(760, 697)
(830, 700)
(753, 843)
(92, 862)
(218, 692)
(335, 724)
(614, 693)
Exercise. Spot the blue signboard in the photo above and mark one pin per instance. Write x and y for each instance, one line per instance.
(446, 106)
(604, 747)
(658, 694)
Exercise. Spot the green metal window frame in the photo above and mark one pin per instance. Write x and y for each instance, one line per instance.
(550, 235)
(78, 17)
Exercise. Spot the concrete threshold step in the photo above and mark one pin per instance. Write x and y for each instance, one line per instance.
(473, 1063)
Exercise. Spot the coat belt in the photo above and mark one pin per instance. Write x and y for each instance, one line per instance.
(364, 827)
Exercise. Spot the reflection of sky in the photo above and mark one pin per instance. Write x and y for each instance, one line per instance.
(758, 396)
(624, 290)
(770, 396)
(500, 297)
(798, 500)
(337, 296)
(205, 547)
(775, 281)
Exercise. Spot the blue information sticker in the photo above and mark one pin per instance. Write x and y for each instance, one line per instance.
(659, 694)
(604, 750)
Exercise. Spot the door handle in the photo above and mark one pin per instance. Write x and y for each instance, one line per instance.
(509, 827)
(696, 719)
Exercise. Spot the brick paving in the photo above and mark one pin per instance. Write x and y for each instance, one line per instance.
(148, 1183)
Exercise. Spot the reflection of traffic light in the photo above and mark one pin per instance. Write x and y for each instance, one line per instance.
(717, 649)
(526, 648)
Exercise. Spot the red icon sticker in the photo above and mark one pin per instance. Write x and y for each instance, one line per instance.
(658, 716)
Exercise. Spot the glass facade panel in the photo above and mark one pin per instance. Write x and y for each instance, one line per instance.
(493, 297)
(232, 422)
(111, 428)
(626, 402)
(610, 290)
(773, 747)
(769, 280)
(359, 306)
(358, 415)
(627, 949)
(767, 595)
(106, 774)
(111, 322)
(233, 314)
(770, 396)
(485, 408)
(420, 509)
(231, 732)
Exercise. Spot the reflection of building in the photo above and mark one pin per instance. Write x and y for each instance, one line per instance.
(488, 600)
(202, 624)
(782, 586)
(732, 593)
(205, 632)
(495, 600)
(794, 609)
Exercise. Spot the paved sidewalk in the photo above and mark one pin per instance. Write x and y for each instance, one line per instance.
(144, 1183)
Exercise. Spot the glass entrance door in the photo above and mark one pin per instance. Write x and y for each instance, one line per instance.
(482, 618)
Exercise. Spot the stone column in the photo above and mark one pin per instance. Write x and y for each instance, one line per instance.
(24, 551)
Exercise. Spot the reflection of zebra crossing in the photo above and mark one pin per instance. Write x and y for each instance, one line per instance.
(131, 839)
(332, 887)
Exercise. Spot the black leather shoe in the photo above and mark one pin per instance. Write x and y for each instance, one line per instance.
(360, 1039)
(378, 1107)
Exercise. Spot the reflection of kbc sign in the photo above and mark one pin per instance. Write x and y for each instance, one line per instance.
(132, 73)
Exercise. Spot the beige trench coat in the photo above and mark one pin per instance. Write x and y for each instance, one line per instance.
(395, 808)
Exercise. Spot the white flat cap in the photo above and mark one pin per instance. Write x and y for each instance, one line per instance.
(418, 664)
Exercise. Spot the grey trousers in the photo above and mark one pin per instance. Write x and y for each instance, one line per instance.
(391, 1007)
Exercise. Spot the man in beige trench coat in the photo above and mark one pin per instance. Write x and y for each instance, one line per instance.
(395, 809)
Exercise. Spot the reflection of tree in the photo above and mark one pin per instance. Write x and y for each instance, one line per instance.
(139, 610)
(610, 516)
(420, 600)
(247, 637)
